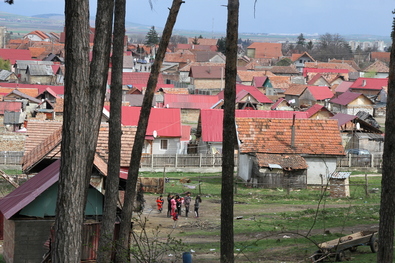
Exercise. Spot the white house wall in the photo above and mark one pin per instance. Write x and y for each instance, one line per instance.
(173, 146)
(319, 166)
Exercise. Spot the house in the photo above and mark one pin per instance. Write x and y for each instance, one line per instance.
(376, 70)
(267, 143)
(39, 74)
(181, 57)
(29, 213)
(293, 93)
(37, 35)
(349, 62)
(343, 87)
(7, 76)
(248, 97)
(11, 115)
(246, 77)
(351, 103)
(277, 85)
(209, 131)
(163, 131)
(284, 70)
(318, 80)
(382, 56)
(29, 103)
(315, 94)
(281, 104)
(184, 71)
(358, 133)
(34, 72)
(370, 87)
(300, 59)
(318, 111)
(209, 80)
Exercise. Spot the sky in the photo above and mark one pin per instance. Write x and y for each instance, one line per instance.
(344, 17)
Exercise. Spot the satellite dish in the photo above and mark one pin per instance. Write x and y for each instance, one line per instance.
(155, 134)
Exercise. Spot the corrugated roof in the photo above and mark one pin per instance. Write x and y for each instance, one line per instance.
(320, 92)
(370, 83)
(345, 98)
(15, 54)
(30, 190)
(312, 136)
(344, 86)
(166, 122)
(211, 120)
(132, 78)
(343, 118)
(190, 101)
(10, 106)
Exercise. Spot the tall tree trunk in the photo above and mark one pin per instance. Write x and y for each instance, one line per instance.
(387, 204)
(229, 134)
(130, 192)
(114, 138)
(85, 87)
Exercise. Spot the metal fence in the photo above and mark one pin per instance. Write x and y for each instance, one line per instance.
(184, 160)
(11, 158)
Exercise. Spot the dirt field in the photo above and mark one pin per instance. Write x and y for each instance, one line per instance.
(210, 220)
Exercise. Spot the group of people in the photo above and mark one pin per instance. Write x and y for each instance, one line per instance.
(175, 203)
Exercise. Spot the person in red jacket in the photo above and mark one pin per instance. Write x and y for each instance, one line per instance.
(175, 218)
(159, 203)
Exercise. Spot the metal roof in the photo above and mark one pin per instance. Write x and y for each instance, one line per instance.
(30, 190)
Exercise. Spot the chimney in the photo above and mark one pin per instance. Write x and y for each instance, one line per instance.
(364, 83)
(293, 132)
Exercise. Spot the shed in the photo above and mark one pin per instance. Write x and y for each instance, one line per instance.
(29, 214)
(339, 184)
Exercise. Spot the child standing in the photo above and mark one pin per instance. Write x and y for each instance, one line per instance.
(187, 202)
(198, 200)
(175, 218)
(159, 203)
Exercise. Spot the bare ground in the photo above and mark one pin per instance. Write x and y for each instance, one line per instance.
(210, 220)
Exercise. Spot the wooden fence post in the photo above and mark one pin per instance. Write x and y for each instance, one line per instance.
(366, 185)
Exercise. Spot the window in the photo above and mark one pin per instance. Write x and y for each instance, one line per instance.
(163, 144)
(300, 61)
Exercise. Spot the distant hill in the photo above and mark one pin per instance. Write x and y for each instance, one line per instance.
(20, 25)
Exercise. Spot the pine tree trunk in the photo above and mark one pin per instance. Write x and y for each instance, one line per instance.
(130, 192)
(84, 95)
(114, 138)
(387, 204)
(229, 134)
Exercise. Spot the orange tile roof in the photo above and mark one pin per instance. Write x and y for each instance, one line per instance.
(383, 56)
(329, 65)
(280, 82)
(36, 51)
(295, 89)
(377, 66)
(266, 50)
(187, 67)
(248, 75)
(32, 92)
(312, 136)
(203, 41)
(185, 56)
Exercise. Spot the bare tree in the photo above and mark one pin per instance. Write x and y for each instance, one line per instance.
(114, 139)
(85, 86)
(229, 134)
(387, 203)
(134, 166)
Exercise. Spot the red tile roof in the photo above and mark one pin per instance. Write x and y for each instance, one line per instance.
(59, 90)
(203, 41)
(370, 83)
(377, 66)
(344, 86)
(211, 120)
(383, 56)
(323, 70)
(312, 136)
(190, 101)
